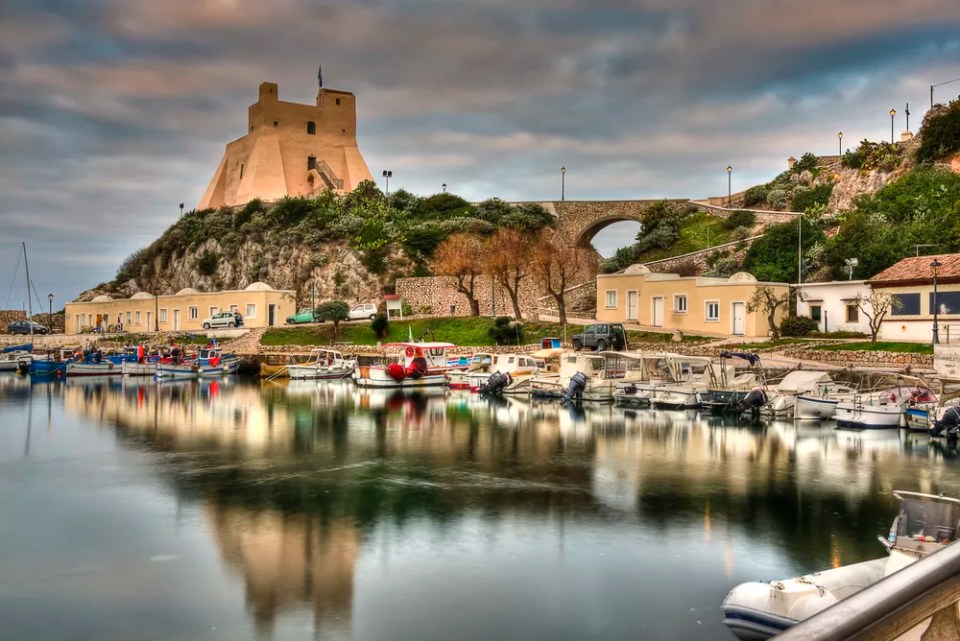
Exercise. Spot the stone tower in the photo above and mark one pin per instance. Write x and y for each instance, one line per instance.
(290, 150)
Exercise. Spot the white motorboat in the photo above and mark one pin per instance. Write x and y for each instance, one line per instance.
(729, 389)
(884, 409)
(515, 370)
(193, 369)
(414, 365)
(759, 610)
(103, 368)
(11, 357)
(692, 377)
(128, 368)
(820, 404)
(324, 364)
(480, 363)
(783, 397)
(599, 374)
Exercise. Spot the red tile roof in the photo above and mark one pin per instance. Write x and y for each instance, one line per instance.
(917, 270)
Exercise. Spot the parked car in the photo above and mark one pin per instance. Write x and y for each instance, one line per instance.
(601, 336)
(23, 327)
(363, 310)
(305, 315)
(221, 319)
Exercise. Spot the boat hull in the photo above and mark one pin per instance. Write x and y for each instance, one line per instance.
(188, 371)
(377, 377)
(314, 373)
(856, 416)
(811, 408)
(93, 369)
(138, 369)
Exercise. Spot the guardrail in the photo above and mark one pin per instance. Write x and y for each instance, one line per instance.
(889, 608)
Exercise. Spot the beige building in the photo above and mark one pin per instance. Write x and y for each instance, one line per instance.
(290, 150)
(259, 304)
(696, 304)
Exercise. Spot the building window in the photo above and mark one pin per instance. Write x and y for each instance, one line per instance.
(338, 101)
(680, 304)
(214, 310)
(194, 313)
(948, 302)
(853, 313)
(163, 315)
(136, 317)
(251, 310)
(129, 316)
(276, 123)
(815, 312)
(611, 299)
(312, 128)
(713, 311)
(311, 162)
(234, 308)
(241, 171)
(905, 305)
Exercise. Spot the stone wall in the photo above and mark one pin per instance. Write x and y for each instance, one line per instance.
(863, 358)
(433, 295)
(581, 301)
(7, 316)
(764, 216)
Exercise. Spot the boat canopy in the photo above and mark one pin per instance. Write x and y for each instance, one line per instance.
(802, 381)
(753, 359)
(545, 354)
(26, 347)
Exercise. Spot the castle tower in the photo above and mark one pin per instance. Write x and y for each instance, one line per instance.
(290, 150)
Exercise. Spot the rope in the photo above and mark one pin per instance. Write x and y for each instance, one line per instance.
(16, 270)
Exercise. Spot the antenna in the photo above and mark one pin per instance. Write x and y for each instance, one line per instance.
(320, 76)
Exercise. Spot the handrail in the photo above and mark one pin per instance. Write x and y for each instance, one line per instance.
(890, 607)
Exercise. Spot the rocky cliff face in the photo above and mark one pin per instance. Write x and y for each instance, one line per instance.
(334, 270)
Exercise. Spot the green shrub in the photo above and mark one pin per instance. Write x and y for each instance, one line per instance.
(773, 257)
(807, 162)
(874, 155)
(797, 326)
(740, 218)
(778, 198)
(505, 332)
(740, 234)
(941, 133)
(207, 265)
(405, 307)
(806, 199)
(756, 195)
(380, 326)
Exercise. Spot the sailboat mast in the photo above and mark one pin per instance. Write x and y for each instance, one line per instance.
(26, 266)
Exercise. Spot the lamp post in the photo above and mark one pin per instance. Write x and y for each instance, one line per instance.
(729, 185)
(181, 210)
(893, 112)
(563, 183)
(444, 187)
(156, 313)
(935, 266)
(50, 315)
(387, 174)
(840, 136)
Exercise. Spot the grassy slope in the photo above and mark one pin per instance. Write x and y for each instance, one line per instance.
(903, 348)
(462, 331)
(693, 237)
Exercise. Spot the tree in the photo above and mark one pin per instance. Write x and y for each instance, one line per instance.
(380, 326)
(557, 264)
(773, 258)
(333, 311)
(508, 263)
(766, 300)
(875, 307)
(461, 256)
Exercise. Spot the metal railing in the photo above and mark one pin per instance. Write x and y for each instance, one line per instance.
(889, 608)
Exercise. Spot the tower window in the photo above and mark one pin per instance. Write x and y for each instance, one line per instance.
(311, 162)
(311, 128)
(241, 171)
(338, 101)
(276, 123)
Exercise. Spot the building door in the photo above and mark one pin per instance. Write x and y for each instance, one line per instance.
(176, 319)
(271, 314)
(632, 306)
(739, 319)
(657, 312)
(149, 321)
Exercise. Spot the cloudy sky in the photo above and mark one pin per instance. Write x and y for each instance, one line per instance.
(112, 112)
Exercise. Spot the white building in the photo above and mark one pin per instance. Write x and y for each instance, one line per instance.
(833, 305)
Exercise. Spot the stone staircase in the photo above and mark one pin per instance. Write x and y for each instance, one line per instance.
(246, 345)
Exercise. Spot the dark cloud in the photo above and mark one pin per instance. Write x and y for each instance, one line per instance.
(112, 112)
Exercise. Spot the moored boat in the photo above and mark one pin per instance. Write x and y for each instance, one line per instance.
(413, 365)
(783, 397)
(10, 356)
(924, 524)
(883, 409)
(324, 364)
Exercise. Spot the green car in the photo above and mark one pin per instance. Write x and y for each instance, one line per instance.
(305, 315)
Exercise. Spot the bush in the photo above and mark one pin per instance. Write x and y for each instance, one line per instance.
(778, 198)
(405, 307)
(941, 133)
(207, 265)
(663, 237)
(504, 332)
(806, 199)
(797, 326)
(740, 218)
(740, 234)
(873, 155)
(755, 195)
(807, 162)
(380, 326)
(773, 258)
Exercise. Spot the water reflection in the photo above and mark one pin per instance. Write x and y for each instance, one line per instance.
(323, 498)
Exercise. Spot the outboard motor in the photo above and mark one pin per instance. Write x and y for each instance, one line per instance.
(574, 391)
(949, 425)
(496, 383)
(753, 401)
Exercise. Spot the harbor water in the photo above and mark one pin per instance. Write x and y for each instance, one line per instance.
(235, 509)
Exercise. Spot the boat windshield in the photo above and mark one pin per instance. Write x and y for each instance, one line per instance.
(929, 520)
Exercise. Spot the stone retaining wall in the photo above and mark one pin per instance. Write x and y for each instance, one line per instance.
(7, 316)
(433, 295)
(863, 358)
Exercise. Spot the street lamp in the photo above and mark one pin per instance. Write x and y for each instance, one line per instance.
(50, 315)
(181, 210)
(729, 183)
(563, 183)
(840, 136)
(893, 112)
(444, 187)
(935, 266)
(387, 174)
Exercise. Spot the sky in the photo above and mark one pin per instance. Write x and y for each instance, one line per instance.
(112, 112)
